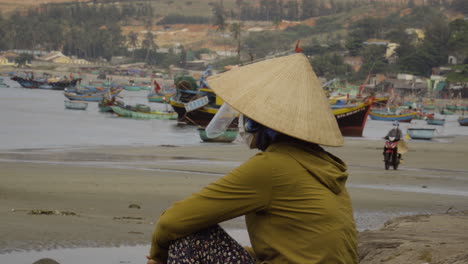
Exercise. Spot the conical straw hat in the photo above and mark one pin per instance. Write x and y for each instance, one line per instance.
(283, 94)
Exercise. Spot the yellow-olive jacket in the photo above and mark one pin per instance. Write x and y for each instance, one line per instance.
(296, 206)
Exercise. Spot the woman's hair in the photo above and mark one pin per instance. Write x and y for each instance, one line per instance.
(267, 136)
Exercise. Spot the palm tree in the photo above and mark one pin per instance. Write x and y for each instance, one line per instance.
(236, 30)
(149, 44)
(132, 41)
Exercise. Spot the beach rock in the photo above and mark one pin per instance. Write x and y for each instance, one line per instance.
(46, 261)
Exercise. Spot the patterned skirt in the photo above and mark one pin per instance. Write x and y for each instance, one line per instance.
(208, 246)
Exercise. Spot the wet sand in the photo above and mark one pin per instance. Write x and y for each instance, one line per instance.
(111, 196)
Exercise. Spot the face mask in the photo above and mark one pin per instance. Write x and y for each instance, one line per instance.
(248, 138)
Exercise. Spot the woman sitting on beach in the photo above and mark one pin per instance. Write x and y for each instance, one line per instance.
(292, 193)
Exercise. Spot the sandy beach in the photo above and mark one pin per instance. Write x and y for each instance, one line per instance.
(112, 196)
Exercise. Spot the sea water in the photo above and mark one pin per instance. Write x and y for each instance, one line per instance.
(35, 118)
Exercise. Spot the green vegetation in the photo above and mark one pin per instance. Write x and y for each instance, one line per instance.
(93, 31)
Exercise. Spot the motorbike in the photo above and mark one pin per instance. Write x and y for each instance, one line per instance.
(391, 156)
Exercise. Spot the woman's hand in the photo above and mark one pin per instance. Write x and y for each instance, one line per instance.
(152, 261)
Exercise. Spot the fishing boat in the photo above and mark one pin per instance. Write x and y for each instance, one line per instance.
(421, 133)
(76, 105)
(406, 117)
(429, 107)
(227, 136)
(451, 107)
(435, 121)
(46, 84)
(135, 114)
(195, 103)
(92, 97)
(158, 95)
(105, 104)
(2, 84)
(352, 118)
(446, 112)
(463, 121)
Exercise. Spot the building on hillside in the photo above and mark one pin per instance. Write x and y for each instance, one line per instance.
(457, 58)
(60, 58)
(390, 52)
(56, 57)
(354, 62)
(416, 34)
(416, 86)
(198, 65)
(208, 56)
(36, 53)
(9, 57)
(3, 61)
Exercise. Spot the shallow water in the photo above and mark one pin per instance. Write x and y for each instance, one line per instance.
(32, 119)
(35, 118)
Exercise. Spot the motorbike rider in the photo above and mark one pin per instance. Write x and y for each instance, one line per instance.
(395, 132)
(394, 135)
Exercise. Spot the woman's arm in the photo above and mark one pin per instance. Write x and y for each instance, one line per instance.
(246, 189)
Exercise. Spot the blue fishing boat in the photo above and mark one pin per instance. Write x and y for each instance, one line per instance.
(435, 121)
(92, 97)
(463, 121)
(421, 133)
(406, 117)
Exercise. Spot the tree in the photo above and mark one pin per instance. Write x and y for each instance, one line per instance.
(236, 30)
(149, 44)
(23, 59)
(219, 17)
(132, 41)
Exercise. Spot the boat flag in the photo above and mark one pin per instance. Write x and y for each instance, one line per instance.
(157, 88)
(298, 49)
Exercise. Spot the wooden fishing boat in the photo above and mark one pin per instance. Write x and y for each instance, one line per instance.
(106, 103)
(228, 136)
(195, 104)
(406, 117)
(435, 121)
(451, 107)
(76, 105)
(463, 121)
(159, 97)
(56, 85)
(421, 133)
(429, 107)
(92, 97)
(2, 84)
(124, 112)
(446, 112)
(352, 118)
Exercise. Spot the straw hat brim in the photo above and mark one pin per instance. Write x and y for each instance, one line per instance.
(283, 94)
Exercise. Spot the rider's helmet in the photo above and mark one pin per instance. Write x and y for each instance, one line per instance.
(396, 123)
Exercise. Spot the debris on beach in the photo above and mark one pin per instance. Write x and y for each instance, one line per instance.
(136, 206)
(50, 212)
(128, 218)
(46, 261)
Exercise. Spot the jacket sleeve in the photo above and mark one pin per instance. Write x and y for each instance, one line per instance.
(245, 189)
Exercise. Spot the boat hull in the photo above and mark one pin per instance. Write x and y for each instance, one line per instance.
(435, 122)
(352, 120)
(463, 121)
(405, 118)
(75, 105)
(228, 136)
(140, 115)
(91, 97)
